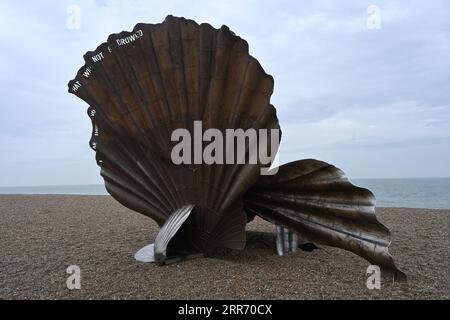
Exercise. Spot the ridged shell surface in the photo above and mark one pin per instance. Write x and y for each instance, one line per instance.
(317, 200)
(144, 84)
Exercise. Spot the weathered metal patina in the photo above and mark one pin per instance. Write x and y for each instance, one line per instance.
(144, 84)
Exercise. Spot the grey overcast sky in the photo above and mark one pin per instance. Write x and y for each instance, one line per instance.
(374, 102)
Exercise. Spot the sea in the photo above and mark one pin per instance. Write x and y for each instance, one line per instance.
(433, 193)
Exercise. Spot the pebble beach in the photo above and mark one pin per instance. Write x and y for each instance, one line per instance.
(42, 235)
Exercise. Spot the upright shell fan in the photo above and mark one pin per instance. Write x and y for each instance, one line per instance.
(143, 85)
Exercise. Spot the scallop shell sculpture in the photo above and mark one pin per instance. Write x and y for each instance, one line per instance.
(143, 85)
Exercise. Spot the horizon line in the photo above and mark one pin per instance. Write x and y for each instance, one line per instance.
(102, 184)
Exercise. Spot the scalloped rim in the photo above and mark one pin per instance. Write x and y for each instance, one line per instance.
(112, 36)
(106, 46)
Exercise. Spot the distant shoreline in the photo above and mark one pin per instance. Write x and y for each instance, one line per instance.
(433, 193)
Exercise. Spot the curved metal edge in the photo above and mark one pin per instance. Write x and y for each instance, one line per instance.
(146, 254)
(168, 231)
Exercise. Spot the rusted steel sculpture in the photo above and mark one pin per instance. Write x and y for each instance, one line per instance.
(144, 84)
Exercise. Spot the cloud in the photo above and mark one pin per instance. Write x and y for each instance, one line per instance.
(344, 93)
(373, 126)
